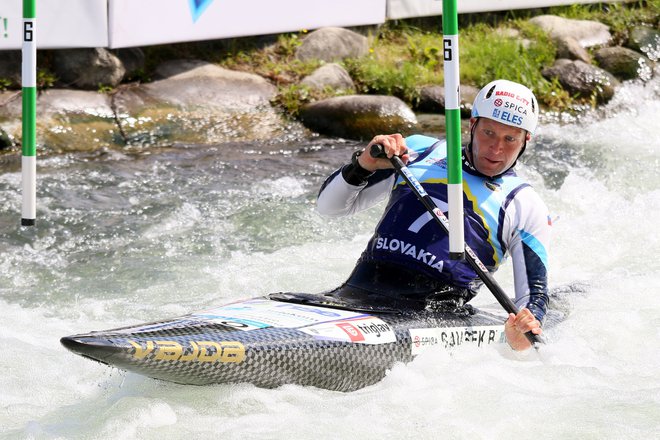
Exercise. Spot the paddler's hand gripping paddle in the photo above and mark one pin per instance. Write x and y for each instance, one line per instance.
(377, 151)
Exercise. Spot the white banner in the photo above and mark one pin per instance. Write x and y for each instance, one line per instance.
(59, 24)
(147, 22)
(397, 9)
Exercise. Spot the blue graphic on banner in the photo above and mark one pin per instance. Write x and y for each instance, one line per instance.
(197, 7)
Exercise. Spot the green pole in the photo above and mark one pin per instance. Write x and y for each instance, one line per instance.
(453, 124)
(29, 120)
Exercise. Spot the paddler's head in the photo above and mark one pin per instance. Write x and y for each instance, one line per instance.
(504, 118)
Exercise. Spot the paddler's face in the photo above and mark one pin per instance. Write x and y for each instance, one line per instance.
(495, 146)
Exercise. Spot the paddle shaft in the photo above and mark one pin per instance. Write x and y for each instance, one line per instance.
(377, 151)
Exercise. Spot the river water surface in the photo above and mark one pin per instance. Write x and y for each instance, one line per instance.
(128, 237)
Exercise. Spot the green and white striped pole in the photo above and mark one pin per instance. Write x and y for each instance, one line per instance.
(29, 141)
(453, 124)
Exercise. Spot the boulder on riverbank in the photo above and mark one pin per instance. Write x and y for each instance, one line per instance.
(359, 116)
(332, 44)
(645, 40)
(332, 76)
(5, 140)
(88, 69)
(586, 32)
(622, 62)
(582, 79)
(432, 99)
(67, 120)
(198, 102)
(570, 48)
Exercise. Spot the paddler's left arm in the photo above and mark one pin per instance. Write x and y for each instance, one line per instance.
(528, 228)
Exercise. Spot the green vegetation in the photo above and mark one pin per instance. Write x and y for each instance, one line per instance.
(45, 79)
(406, 55)
(291, 97)
(5, 84)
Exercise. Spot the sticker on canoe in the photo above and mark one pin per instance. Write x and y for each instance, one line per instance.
(478, 336)
(262, 313)
(190, 351)
(366, 330)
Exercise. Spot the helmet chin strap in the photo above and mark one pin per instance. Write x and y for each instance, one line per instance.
(468, 160)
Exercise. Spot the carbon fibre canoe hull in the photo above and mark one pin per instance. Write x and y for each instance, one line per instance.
(271, 343)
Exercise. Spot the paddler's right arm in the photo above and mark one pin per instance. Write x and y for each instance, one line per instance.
(361, 183)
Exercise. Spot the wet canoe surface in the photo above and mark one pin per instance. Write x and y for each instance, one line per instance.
(270, 343)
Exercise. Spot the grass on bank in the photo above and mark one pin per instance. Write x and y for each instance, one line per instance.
(406, 57)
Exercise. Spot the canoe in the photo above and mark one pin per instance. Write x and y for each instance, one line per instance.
(281, 339)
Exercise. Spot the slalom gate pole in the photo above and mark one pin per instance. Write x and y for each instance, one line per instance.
(29, 119)
(453, 125)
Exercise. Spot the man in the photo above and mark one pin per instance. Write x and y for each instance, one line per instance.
(406, 263)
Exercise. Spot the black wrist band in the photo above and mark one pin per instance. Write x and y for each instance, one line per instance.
(353, 173)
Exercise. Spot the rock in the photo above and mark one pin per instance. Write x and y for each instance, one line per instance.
(562, 62)
(623, 63)
(329, 75)
(332, 44)
(198, 102)
(432, 99)
(88, 69)
(468, 95)
(358, 116)
(10, 113)
(10, 66)
(133, 60)
(67, 120)
(569, 48)
(587, 33)
(5, 140)
(194, 82)
(582, 79)
(645, 40)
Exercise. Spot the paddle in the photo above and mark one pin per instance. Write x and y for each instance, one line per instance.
(377, 151)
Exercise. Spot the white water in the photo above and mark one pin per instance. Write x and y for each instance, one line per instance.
(123, 239)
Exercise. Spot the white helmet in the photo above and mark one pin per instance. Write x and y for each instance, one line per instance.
(509, 103)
